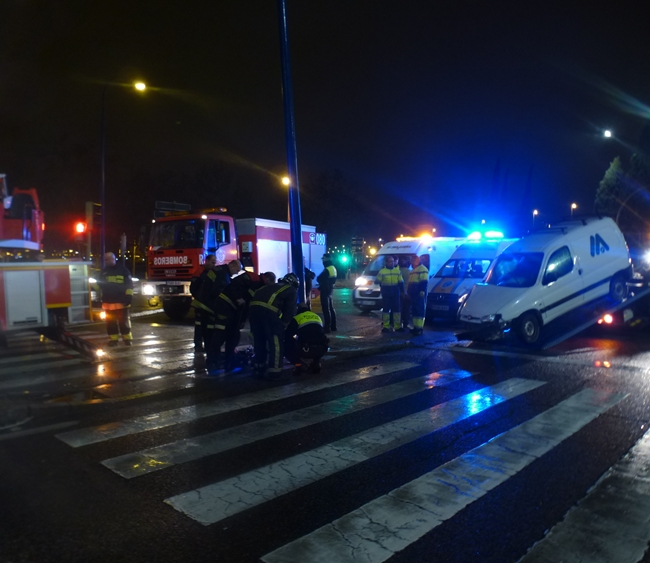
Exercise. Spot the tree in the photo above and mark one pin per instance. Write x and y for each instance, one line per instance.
(611, 190)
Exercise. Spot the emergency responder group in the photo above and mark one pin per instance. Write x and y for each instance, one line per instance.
(400, 302)
(225, 296)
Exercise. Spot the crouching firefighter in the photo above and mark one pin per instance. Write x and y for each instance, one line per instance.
(304, 339)
(271, 309)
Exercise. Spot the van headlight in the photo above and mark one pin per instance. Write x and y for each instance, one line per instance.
(148, 289)
(361, 281)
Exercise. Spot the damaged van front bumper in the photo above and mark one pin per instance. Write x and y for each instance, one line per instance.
(487, 328)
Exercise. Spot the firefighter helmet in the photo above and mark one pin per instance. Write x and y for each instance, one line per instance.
(291, 279)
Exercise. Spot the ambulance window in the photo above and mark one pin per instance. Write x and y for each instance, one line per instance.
(559, 264)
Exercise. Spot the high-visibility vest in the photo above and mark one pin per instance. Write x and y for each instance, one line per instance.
(306, 318)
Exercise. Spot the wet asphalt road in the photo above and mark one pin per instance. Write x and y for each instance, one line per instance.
(383, 457)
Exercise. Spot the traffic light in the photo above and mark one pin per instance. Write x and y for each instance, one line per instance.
(80, 231)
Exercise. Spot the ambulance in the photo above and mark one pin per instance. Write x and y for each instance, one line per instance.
(547, 274)
(436, 251)
(467, 266)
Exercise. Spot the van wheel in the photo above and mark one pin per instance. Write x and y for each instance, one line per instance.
(528, 329)
(618, 288)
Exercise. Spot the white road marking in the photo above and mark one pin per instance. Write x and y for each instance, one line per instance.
(611, 523)
(95, 434)
(190, 449)
(214, 502)
(38, 430)
(390, 523)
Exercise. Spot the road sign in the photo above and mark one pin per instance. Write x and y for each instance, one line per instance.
(172, 206)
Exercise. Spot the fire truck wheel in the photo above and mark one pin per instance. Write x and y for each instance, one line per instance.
(176, 310)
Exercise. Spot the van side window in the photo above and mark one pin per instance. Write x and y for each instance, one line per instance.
(559, 264)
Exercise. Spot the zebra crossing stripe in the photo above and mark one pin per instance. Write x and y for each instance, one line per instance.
(610, 523)
(390, 523)
(27, 368)
(35, 357)
(190, 449)
(95, 434)
(220, 500)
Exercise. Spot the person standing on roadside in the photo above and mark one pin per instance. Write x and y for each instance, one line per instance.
(116, 287)
(199, 308)
(417, 289)
(390, 280)
(405, 302)
(309, 282)
(212, 282)
(230, 311)
(326, 280)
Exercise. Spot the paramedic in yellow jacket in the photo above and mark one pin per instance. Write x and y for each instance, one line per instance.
(417, 289)
(391, 282)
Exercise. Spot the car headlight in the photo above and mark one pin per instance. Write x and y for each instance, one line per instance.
(361, 281)
(489, 318)
(148, 289)
(92, 280)
(462, 298)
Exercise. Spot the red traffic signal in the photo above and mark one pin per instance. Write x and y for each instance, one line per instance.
(80, 228)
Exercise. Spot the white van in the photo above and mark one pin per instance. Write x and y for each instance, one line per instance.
(547, 274)
(467, 266)
(367, 294)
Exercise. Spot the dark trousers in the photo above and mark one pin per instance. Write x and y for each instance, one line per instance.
(198, 330)
(406, 309)
(296, 350)
(118, 321)
(329, 314)
(268, 340)
(226, 331)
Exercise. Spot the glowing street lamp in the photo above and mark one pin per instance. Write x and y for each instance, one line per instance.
(535, 214)
(607, 133)
(573, 207)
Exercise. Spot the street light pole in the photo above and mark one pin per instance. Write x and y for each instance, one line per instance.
(102, 201)
(295, 222)
(573, 207)
(535, 213)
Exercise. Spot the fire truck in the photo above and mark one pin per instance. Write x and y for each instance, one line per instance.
(37, 294)
(180, 241)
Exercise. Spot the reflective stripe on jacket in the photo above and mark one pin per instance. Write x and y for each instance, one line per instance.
(418, 280)
(391, 281)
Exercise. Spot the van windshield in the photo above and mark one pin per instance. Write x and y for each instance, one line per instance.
(401, 260)
(516, 269)
(465, 268)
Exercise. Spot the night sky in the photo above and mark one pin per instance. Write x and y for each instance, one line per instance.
(407, 113)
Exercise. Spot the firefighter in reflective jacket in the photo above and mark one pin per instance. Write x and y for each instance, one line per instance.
(230, 313)
(211, 283)
(391, 282)
(195, 288)
(417, 289)
(271, 309)
(326, 280)
(116, 287)
(304, 339)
